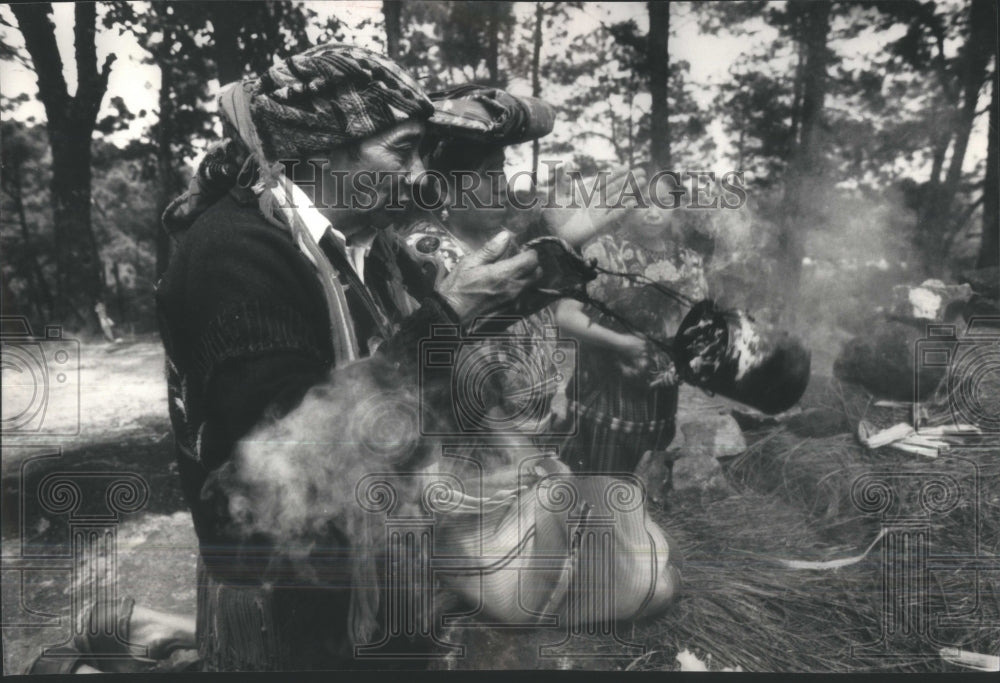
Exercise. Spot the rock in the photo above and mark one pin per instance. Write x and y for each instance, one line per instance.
(883, 361)
(985, 281)
(699, 475)
(818, 423)
(932, 301)
(654, 470)
(717, 436)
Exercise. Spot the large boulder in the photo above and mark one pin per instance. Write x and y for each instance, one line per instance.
(700, 439)
(718, 436)
(884, 361)
(985, 282)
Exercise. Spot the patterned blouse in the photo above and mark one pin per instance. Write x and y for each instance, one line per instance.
(530, 379)
(646, 308)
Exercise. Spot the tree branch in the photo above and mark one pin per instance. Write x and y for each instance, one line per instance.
(40, 41)
(91, 83)
(84, 45)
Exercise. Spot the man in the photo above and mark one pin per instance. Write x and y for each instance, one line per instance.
(275, 303)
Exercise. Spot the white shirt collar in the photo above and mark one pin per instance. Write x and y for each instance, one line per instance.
(318, 225)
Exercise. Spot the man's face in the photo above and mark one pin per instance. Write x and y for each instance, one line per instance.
(371, 186)
(489, 192)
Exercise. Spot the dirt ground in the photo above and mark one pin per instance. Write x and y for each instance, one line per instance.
(124, 429)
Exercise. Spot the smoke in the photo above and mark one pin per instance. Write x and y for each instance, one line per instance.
(295, 474)
(317, 485)
(857, 246)
(293, 481)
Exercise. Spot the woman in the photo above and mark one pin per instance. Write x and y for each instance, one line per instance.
(465, 148)
(627, 407)
(467, 135)
(507, 532)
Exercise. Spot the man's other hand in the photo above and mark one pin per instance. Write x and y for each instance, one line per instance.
(489, 279)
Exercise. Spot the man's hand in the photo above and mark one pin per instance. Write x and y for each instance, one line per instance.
(485, 280)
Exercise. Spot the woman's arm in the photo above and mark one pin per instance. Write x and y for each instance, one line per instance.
(574, 321)
(580, 226)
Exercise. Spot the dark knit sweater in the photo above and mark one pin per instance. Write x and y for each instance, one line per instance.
(246, 331)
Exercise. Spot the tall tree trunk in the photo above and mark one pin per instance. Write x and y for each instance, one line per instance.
(935, 222)
(659, 75)
(797, 90)
(989, 248)
(536, 83)
(804, 176)
(225, 18)
(493, 45)
(164, 151)
(392, 10)
(70, 124)
(973, 73)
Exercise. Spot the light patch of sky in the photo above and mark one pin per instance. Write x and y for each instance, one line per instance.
(710, 58)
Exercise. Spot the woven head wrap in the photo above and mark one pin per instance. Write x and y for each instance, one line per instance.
(323, 98)
(490, 115)
(328, 96)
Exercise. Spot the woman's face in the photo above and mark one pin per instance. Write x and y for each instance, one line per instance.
(650, 223)
(477, 197)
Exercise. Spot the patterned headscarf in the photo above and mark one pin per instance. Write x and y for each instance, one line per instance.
(331, 95)
(490, 115)
(326, 97)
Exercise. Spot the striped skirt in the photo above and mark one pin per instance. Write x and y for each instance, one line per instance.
(618, 420)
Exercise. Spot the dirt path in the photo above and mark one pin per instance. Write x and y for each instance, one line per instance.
(121, 427)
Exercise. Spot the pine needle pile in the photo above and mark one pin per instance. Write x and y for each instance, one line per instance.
(743, 607)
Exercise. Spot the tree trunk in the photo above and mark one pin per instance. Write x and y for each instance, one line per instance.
(493, 46)
(164, 152)
(225, 36)
(659, 75)
(804, 177)
(797, 90)
(536, 83)
(974, 63)
(70, 124)
(80, 281)
(392, 10)
(989, 248)
(935, 222)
